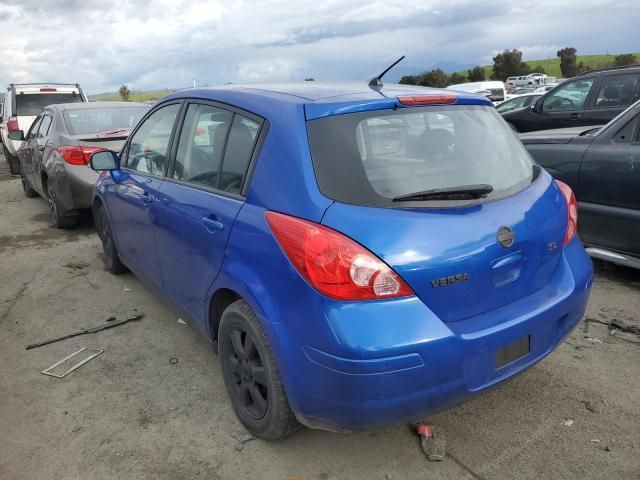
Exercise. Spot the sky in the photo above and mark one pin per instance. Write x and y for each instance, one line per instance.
(156, 44)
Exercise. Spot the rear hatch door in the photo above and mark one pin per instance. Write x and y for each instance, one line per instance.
(453, 258)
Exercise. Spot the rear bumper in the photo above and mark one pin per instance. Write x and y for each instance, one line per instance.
(423, 365)
(74, 185)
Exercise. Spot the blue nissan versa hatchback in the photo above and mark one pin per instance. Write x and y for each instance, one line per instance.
(357, 256)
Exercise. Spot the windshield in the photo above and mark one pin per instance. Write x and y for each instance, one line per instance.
(370, 158)
(31, 104)
(102, 120)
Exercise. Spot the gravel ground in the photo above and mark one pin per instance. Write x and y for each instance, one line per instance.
(132, 413)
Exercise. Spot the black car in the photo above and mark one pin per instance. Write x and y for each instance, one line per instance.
(591, 98)
(602, 166)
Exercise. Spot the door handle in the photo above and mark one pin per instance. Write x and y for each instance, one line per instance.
(146, 198)
(630, 160)
(574, 116)
(212, 224)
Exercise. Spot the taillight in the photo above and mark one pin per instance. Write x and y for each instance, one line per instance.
(416, 100)
(572, 211)
(334, 264)
(77, 155)
(12, 125)
(48, 89)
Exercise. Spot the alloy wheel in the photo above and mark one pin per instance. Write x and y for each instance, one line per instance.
(248, 373)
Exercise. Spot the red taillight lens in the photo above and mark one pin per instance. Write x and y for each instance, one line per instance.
(415, 100)
(572, 211)
(334, 264)
(76, 155)
(12, 125)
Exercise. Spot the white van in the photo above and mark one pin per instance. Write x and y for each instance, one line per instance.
(495, 89)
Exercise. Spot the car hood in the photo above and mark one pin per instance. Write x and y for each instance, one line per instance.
(559, 135)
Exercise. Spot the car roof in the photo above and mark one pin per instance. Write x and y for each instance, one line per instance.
(319, 99)
(91, 105)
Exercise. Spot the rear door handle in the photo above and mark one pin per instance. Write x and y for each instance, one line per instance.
(574, 116)
(212, 224)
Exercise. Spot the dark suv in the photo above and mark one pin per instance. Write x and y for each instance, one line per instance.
(590, 98)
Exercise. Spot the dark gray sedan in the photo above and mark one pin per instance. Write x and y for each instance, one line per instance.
(602, 166)
(55, 152)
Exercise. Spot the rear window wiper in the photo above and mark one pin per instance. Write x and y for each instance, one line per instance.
(463, 192)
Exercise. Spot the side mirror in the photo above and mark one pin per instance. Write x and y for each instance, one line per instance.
(537, 106)
(17, 135)
(104, 160)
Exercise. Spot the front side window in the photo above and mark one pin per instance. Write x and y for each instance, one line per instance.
(570, 96)
(43, 131)
(627, 133)
(201, 145)
(148, 148)
(618, 90)
(375, 158)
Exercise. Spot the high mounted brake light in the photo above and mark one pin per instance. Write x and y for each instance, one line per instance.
(572, 211)
(334, 264)
(416, 100)
(48, 89)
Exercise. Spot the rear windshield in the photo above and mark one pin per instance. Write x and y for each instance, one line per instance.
(31, 104)
(372, 158)
(88, 121)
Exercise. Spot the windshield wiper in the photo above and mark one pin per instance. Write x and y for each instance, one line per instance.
(463, 192)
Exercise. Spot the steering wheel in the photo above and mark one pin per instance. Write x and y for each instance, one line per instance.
(567, 102)
(154, 161)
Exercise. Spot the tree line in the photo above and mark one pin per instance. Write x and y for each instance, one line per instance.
(508, 63)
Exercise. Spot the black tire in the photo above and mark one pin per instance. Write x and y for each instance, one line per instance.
(14, 162)
(110, 254)
(251, 375)
(60, 217)
(26, 187)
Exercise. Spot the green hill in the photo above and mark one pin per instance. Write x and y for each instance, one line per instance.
(551, 65)
(134, 97)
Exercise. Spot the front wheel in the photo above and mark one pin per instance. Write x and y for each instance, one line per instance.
(251, 375)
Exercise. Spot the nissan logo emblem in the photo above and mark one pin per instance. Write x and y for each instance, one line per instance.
(505, 236)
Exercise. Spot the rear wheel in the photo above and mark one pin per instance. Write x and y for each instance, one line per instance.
(26, 187)
(60, 216)
(251, 375)
(109, 249)
(14, 162)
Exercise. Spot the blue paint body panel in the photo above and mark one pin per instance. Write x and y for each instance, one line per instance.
(354, 365)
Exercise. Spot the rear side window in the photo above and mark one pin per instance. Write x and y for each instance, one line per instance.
(43, 130)
(370, 158)
(618, 90)
(31, 104)
(201, 145)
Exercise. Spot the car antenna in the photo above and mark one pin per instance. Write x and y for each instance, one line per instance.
(376, 82)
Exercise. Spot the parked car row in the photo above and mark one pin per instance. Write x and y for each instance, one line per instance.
(355, 258)
(590, 98)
